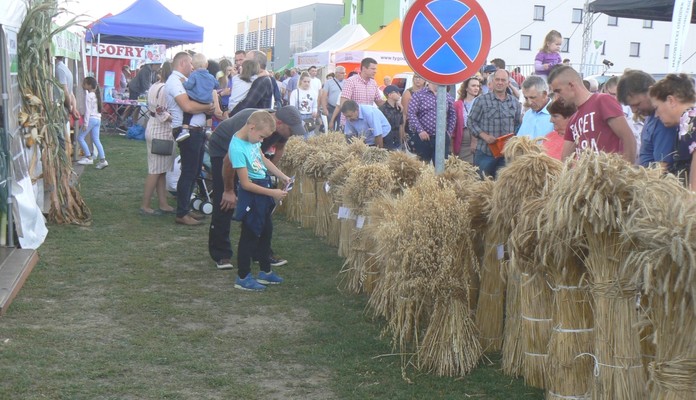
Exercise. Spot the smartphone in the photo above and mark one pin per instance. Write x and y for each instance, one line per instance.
(290, 185)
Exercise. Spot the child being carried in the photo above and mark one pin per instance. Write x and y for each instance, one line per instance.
(200, 87)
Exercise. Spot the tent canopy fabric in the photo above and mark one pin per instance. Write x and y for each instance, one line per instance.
(145, 22)
(657, 10)
(322, 54)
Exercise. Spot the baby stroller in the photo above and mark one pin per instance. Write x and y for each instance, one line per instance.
(201, 196)
(202, 191)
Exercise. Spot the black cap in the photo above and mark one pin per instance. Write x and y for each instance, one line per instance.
(291, 117)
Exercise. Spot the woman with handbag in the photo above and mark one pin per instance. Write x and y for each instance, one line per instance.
(160, 147)
(306, 100)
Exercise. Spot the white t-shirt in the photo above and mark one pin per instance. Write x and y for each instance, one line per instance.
(174, 88)
(315, 84)
(304, 100)
(240, 89)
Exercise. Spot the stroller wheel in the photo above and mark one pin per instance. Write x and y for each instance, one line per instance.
(196, 204)
(206, 208)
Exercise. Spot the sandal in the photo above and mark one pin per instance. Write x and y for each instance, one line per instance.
(152, 213)
(172, 211)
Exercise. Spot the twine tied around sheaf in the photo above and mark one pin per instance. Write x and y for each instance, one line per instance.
(597, 364)
(587, 396)
(615, 289)
(674, 375)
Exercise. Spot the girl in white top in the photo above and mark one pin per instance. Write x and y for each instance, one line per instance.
(241, 83)
(92, 123)
(305, 99)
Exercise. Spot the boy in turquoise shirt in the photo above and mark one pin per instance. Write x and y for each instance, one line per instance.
(255, 201)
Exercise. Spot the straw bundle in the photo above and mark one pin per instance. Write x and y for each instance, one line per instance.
(375, 155)
(336, 180)
(663, 229)
(519, 146)
(296, 152)
(590, 204)
(357, 147)
(405, 170)
(364, 183)
(535, 295)
(430, 234)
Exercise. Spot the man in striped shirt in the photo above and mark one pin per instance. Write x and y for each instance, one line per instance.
(361, 88)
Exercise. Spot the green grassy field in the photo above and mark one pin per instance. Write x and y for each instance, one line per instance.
(132, 307)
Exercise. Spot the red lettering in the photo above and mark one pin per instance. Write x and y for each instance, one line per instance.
(139, 51)
(110, 50)
(129, 52)
(120, 50)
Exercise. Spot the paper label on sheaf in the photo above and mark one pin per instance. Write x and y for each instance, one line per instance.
(500, 251)
(343, 213)
(360, 221)
(327, 187)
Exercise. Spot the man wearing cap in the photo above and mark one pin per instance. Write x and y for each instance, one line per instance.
(485, 73)
(395, 116)
(288, 123)
(366, 122)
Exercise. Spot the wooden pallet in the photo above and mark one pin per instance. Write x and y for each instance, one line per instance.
(15, 267)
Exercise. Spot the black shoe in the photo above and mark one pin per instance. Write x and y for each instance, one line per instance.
(277, 262)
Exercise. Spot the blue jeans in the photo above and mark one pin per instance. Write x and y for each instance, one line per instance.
(488, 165)
(92, 128)
(191, 151)
(425, 150)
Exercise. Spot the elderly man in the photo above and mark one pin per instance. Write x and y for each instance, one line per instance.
(536, 122)
(361, 88)
(331, 94)
(366, 122)
(288, 123)
(422, 119)
(599, 124)
(493, 115)
(191, 149)
(657, 141)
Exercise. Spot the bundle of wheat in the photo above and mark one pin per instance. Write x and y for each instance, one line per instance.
(535, 294)
(375, 155)
(365, 183)
(46, 118)
(337, 179)
(587, 210)
(662, 230)
(405, 170)
(327, 156)
(296, 152)
(430, 236)
(521, 145)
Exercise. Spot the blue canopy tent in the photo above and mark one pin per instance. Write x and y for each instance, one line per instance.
(143, 23)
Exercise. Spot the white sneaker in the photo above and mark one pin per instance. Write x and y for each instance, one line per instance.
(85, 161)
(183, 135)
(102, 164)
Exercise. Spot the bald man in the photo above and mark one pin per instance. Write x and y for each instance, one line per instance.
(331, 94)
(599, 123)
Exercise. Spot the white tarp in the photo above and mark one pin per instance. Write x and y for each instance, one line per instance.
(13, 12)
(681, 17)
(382, 57)
(323, 54)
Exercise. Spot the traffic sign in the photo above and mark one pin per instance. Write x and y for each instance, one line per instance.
(445, 41)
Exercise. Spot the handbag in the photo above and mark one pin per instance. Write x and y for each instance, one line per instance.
(162, 147)
(309, 124)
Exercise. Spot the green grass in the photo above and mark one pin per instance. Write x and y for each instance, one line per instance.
(133, 308)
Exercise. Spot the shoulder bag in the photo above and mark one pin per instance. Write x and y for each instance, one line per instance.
(162, 147)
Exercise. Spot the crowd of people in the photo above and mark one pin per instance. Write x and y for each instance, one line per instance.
(243, 115)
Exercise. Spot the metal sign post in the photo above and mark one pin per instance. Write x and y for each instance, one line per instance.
(441, 129)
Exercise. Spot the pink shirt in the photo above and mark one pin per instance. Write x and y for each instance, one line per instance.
(588, 127)
(361, 91)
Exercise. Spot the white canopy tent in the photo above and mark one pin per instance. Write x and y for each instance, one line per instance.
(323, 54)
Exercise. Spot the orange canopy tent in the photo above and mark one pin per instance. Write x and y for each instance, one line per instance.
(384, 46)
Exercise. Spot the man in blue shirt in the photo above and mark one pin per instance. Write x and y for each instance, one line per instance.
(536, 122)
(365, 121)
(658, 143)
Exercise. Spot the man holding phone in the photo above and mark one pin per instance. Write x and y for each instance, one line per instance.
(288, 123)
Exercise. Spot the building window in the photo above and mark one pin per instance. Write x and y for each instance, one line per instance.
(647, 23)
(666, 52)
(362, 6)
(613, 21)
(604, 47)
(577, 16)
(525, 42)
(301, 37)
(539, 12)
(635, 49)
(564, 45)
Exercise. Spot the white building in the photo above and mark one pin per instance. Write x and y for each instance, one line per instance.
(518, 29)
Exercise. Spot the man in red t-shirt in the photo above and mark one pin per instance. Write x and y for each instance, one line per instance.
(599, 124)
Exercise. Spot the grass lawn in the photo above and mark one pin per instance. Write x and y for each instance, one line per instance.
(132, 307)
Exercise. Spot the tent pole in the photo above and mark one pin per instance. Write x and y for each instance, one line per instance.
(96, 75)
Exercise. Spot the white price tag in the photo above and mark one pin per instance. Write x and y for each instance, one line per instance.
(327, 187)
(360, 221)
(500, 251)
(343, 213)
